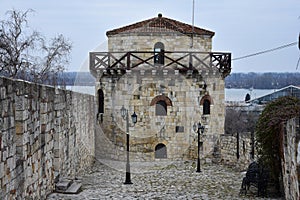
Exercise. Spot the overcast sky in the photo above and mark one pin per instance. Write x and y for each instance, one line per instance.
(242, 27)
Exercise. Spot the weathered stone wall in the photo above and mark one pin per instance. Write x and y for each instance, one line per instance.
(236, 153)
(45, 132)
(291, 161)
(139, 86)
(172, 42)
(136, 90)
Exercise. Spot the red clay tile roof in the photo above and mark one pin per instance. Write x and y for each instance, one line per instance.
(158, 25)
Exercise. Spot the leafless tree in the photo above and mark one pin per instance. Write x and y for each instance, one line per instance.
(52, 61)
(238, 122)
(15, 42)
(235, 124)
(27, 55)
(234, 121)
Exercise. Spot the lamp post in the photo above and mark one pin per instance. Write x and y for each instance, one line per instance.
(197, 128)
(124, 114)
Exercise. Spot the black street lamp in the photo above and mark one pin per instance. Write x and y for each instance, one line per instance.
(198, 127)
(124, 114)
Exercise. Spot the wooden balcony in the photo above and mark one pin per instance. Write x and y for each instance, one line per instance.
(178, 60)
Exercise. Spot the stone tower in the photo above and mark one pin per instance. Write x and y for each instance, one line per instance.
(165, 72)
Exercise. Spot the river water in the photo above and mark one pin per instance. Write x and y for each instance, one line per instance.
(230, 94)
(240, 94)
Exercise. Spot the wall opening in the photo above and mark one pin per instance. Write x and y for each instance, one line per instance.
(159, 57)
(206, 107)
(100, 104)
(100, 101)
(206, 102)
(161, 102)
(160, 151)
(161, 108)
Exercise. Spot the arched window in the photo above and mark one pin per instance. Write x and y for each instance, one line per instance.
(161, 102)
(159, 49)
(206, 107)
(206, 101)
(100, 101)
(160, 151)
(161, 108)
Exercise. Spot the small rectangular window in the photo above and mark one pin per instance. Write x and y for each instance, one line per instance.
(179, 129)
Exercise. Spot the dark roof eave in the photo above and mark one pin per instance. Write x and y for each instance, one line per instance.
(180, 25)
(109, 33)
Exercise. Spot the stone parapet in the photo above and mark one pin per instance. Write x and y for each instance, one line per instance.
(236, 151)
(45, 132)
(291, 160)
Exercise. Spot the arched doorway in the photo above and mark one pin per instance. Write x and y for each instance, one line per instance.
(160, 151)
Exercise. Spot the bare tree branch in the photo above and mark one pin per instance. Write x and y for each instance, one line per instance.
(25, 54)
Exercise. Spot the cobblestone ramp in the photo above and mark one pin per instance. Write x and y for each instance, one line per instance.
(157, 180)
(173, 180)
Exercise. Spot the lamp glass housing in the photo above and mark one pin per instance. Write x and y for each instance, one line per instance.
(199, 125)
(134, 118)
(123, 112)
(195, 128)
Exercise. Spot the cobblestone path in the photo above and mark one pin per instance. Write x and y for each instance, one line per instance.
(159, 180)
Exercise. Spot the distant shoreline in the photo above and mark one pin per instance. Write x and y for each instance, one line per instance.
(231, 94)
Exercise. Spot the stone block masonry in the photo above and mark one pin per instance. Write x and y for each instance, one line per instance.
(290, 161)
(236, 151)
(45, 133)
(139, 91)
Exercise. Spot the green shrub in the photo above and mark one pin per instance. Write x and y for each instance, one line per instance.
(270, 132)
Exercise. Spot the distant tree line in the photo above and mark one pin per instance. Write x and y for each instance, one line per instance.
(262, 80)
(65, 78)
(77, 78)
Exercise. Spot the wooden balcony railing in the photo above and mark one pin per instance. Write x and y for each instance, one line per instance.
(177, 60)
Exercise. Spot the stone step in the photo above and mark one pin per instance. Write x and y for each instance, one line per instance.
(74, 188)
(63, 185)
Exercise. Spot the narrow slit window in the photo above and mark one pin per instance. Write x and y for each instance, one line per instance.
(100, 101)
(206, 107)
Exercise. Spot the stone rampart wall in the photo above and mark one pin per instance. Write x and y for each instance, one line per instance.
(45, 133)
(291, 161)
(234, 153)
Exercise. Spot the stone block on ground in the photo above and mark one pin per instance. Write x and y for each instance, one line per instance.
(63, 185)
(74, 188)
